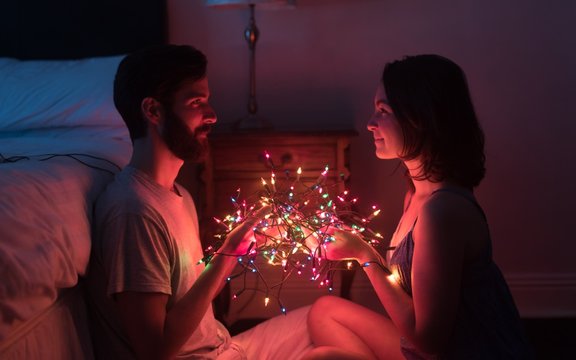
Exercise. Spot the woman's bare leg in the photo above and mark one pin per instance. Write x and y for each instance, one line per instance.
(338, 323)
(332, 353)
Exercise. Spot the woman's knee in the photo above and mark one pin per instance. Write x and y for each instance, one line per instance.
(327, 307)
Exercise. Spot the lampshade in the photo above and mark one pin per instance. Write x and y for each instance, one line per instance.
(259, 3)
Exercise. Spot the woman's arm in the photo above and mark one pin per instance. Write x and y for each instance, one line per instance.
(450, 233)
(445, 226)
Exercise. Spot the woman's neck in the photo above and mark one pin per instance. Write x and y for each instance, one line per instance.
(424, 187)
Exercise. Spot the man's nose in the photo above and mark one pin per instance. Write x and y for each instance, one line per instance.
(210, 116)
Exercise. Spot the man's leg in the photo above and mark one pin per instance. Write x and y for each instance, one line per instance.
(284, 337)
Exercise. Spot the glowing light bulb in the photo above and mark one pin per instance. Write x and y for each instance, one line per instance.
(301, 216)
(394, 277)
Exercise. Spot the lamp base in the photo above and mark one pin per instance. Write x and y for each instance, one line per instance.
(252, 122)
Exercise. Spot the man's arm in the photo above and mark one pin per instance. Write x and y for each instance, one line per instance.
(156, 333)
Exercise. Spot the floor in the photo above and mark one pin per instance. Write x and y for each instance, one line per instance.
(552, 339)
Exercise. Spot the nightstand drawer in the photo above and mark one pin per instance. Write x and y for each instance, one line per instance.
(251, 157)
(251, 189)
(237, 160)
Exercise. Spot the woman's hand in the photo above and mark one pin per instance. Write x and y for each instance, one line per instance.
(350, 246)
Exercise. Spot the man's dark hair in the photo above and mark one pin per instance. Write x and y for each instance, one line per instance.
(156, 72)
(430, 98)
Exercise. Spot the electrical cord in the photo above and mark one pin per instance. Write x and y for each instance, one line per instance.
(75, 156)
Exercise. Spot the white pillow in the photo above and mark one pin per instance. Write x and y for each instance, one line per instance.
(48, 94)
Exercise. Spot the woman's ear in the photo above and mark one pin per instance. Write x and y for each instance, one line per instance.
(151, 109)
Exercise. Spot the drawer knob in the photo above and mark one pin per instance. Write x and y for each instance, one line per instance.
(285, 159)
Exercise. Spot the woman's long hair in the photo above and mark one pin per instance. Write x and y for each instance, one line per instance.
(430, 98)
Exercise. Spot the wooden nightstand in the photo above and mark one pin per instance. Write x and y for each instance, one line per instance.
(237, 160)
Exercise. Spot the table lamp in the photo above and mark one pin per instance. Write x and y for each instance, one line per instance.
(252, 121)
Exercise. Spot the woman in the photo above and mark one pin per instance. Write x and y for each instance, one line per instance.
(443, 294)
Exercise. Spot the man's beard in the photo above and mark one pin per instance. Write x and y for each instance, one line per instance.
(183, 142)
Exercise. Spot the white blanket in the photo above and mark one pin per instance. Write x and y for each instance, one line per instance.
(45, 211)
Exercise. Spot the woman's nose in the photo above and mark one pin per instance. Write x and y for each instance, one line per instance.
(371, 125)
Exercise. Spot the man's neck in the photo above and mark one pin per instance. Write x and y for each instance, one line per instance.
(158, 163)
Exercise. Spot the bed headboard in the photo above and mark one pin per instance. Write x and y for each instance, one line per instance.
(72, 29)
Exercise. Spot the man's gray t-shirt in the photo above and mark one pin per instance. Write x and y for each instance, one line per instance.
(145, 239)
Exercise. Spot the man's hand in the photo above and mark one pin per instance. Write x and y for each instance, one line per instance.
(239, 240)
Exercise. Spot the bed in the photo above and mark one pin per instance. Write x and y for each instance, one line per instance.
(61, 142)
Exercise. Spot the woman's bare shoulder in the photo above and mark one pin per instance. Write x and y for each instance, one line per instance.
(454, 219)
(452, 206)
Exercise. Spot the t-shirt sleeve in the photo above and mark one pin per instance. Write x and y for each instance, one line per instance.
(137, 255)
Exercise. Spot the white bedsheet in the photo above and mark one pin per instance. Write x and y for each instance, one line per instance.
(45, 213)
(60, 332)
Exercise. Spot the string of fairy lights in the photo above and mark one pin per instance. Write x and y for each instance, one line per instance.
(293, 236)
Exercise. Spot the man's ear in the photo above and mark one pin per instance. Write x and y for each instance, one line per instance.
(151, 109)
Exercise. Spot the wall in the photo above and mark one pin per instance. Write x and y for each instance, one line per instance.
(318, 66)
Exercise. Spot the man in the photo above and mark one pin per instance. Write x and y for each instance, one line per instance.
(148, 297)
